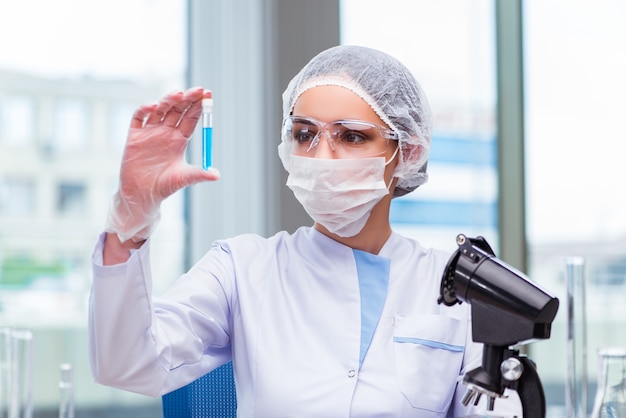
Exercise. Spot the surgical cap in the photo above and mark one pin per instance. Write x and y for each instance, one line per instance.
(389, 88)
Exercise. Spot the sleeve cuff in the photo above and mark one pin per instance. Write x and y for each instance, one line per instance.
(97, 256)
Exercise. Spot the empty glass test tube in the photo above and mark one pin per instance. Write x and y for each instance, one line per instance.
(66, 391)
(576, 355)
(21, 374)
(207, 131)
(6, 370)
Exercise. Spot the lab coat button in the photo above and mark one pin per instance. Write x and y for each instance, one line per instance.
(351, 373)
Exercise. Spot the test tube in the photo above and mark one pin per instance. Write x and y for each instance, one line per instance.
(21, 375)
(576, 354)
(207, 131)
(66, 391)
(6, 370)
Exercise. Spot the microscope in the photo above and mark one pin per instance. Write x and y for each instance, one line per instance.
(508, 310)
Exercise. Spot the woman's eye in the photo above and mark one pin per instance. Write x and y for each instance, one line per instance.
(353, 137)
(303, 136)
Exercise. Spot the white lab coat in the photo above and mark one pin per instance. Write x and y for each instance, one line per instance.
(287, 311)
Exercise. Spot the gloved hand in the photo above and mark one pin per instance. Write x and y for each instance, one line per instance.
(154, 166)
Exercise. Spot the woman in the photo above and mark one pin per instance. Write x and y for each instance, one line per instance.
(339, 319)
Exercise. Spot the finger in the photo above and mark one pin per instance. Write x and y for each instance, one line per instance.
(173, 117)
(140, 115)
(165, 104)
(197, 175)
(190, 119)
(194, 175)
(192, 115)
(185, 176)
(194, 93)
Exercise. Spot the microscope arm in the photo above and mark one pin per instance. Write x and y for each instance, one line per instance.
(530, 390)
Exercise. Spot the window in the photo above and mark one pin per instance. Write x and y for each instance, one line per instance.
(68, 89)
(17, 117)
(17, 197)
(574, 90)
(71, 199)
(70, 125)
(449, 46)
(574, 94)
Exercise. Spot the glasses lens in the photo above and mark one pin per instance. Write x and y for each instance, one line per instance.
(301, 133)
(357, 139)
(348, 138)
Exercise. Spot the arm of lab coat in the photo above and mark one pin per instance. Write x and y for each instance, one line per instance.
(146, 345)
(121, 344)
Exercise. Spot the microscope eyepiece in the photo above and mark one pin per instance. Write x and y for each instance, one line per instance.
(501, 294)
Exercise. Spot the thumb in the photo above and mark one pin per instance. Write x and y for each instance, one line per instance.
(186, 176)
(193, 174)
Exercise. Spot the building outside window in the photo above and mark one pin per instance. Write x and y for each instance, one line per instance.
(69, 85)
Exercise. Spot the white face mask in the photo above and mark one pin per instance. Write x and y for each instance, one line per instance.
(338, 193)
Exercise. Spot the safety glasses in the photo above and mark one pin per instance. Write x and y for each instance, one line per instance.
(346, 138)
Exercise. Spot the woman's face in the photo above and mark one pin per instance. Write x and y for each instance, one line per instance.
(331, 103)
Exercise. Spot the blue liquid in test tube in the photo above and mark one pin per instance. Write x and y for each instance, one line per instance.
(207, 147)
(207, 132)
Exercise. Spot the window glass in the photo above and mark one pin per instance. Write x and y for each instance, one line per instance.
(71, 75)
(16, 114)
(17, 196)
(70, 125)
(71, 199)
(449, 46)
(574, 94)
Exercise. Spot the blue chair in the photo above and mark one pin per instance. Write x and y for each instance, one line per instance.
(211, 396)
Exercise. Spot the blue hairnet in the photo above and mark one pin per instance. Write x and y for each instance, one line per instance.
(389, 88)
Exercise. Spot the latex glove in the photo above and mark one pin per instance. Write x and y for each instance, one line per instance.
(154, 166)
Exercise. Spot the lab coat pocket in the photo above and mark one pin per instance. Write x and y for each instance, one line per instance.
(428, 354)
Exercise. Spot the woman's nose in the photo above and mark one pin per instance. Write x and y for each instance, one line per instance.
(324, 147)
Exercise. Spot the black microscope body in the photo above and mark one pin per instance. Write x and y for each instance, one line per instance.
(507, 310)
